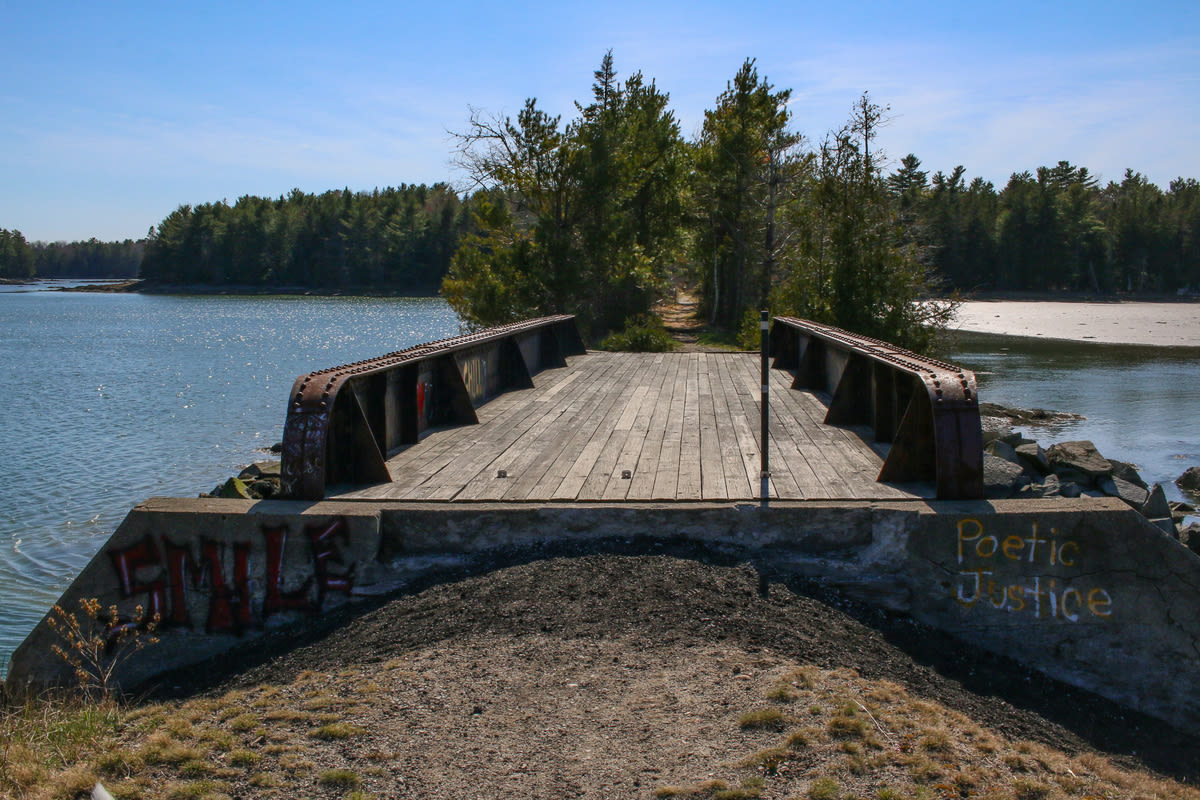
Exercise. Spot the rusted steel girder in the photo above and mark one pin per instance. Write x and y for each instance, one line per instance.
(342, 422)
(927, 409)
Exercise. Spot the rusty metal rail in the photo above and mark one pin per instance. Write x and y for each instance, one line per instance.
(927, 409)
(342, 422)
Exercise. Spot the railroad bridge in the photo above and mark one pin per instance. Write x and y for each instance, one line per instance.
(827, 456)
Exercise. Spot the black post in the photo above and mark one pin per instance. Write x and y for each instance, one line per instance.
(765, 494)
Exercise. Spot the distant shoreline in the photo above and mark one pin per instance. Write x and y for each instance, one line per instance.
(1158, 323)
(139, 286)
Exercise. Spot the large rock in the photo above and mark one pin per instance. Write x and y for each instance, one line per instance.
(1081, 457)
(1034, 457)
(1002, 449)
(1189, 481)
(1128, 472)
(1131, 493)
(1156, 505)
(1001, 477)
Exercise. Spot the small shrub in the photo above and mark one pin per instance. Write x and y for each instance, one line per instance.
(339, 779)
(97, 644)
(642, 334)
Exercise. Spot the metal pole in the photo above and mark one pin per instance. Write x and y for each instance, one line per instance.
(765, 492)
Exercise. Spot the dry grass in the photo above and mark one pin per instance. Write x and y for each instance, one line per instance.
(814, 734)
(877, 742)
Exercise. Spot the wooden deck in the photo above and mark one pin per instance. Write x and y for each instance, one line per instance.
(684, 425)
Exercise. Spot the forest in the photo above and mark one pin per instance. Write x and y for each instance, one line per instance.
(602, 214)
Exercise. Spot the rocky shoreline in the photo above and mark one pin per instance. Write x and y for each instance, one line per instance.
(1017, 467)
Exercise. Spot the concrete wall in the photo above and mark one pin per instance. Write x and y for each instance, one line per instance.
(1084, 590)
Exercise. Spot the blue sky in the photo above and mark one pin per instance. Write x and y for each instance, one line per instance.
(114, 113)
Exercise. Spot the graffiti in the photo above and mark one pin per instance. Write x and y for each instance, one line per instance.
(985, 578)
(216, 580)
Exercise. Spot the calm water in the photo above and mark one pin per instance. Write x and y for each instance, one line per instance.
(1142, 404)
(111, 399)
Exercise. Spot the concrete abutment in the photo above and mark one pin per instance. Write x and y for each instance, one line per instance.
(1083, 590)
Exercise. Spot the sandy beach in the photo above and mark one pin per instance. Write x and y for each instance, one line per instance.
(1155, 324)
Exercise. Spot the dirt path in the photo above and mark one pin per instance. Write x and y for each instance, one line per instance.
(610, 675)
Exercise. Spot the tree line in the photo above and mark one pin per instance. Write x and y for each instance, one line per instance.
(21, 260)
(601, 215)
(393, 238)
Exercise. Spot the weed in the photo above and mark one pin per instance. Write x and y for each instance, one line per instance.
(936, 741)
(194, 768)
(101, 641)
(824, 789)
(197, 790)
(1030, 790)
(337, 730)
(244, 758)
(243, 723)
(264, 780)
(765, 719)
(643, 334)
(339, 779)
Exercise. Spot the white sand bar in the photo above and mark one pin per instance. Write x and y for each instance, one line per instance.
(1119, 322)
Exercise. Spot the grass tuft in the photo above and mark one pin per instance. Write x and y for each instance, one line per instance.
(339, 779)
(771, 719)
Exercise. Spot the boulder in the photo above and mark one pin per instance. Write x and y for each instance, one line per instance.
(1181, 511)
(1034, 457)
(1000, 477)
(1156, 505)
(1002, 449)
(1189, 536)
(234, 488)
(1128, 472)
(1133, 495)
(260, 470)
(1049, 487)
(1080, 456)
(1189, 481)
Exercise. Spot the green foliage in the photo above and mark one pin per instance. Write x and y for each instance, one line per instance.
(16, 257)
(386, 239)
(581, 219)
(746, 164)
(642, 334)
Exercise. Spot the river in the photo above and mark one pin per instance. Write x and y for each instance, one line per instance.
(114, 398)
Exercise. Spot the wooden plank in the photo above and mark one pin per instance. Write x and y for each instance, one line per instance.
(825, 452)
(645, 473)
(474, 451)
(547, 458)
(666, 478)
(738, 483)
(607, 466)
(712, 468)
(689, 485)
(594, 435)
(618, 487)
